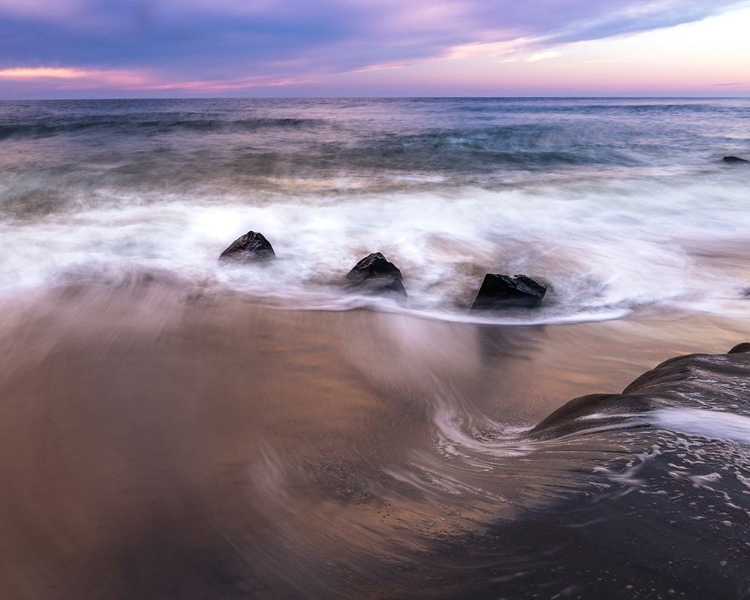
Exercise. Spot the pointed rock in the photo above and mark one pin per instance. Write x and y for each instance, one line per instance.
(375, 274)
(373, 265)
(250, 247)
(735, 160)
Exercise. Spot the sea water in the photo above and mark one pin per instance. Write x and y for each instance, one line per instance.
(176, 428)
(615, 204)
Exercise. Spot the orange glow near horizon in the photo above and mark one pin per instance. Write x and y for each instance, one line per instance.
(22, 73)
(76, 78)
(73, 75)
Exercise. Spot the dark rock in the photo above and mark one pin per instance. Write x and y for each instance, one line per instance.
(735, 159)
(740, 348)
(380, 285)
(571, 417)
(374, 274)
(504, 291)
(249, 247)
(373, 265)
(681, 382)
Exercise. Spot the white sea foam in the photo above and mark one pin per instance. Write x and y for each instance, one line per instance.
(603, 248)
(708, 423)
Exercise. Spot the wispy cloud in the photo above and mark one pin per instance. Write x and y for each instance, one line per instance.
(543, 56)
(490, 49)
(21, 73)
(97, 78)
(89, 77)
(30, 73)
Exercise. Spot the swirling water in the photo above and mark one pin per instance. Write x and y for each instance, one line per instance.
(175, 428)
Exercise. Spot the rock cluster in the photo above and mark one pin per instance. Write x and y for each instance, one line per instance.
(375, 274)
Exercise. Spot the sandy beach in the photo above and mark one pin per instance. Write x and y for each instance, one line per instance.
(157, 442)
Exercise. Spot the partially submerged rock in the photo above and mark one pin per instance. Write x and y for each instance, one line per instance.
(503, 291)
(589, 412)
(381, 285)
(735, 159)
(375, 274)
(373, 265)
(686, 382)
(250, 247)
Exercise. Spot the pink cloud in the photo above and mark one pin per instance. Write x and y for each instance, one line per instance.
(89, 77)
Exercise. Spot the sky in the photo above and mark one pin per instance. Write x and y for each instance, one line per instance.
(301, 48)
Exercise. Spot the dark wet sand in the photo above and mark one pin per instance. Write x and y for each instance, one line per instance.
(159, 445)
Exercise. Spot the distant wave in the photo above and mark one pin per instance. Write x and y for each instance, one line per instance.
(540, 106)
(150, 125)
(483, 149)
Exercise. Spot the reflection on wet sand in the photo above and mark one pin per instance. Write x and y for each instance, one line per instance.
(158, 445)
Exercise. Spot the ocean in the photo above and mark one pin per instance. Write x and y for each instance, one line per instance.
(179, 427)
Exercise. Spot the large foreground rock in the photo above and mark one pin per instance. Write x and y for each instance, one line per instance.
(503, 291)
(375, 274)
(735, 159)
(703, 382)
(250, 247)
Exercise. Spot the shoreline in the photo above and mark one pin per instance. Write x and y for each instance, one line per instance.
(155, 443)
(513, 374)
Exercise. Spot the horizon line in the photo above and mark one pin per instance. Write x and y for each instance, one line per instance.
(394, 97)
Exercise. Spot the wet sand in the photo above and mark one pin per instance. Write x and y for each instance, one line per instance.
(159, 443)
